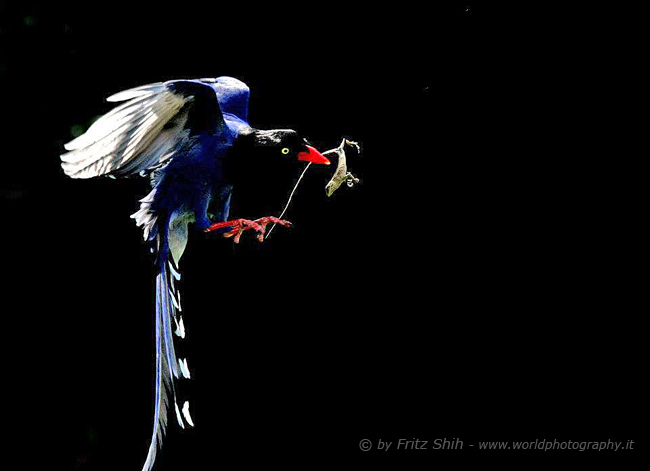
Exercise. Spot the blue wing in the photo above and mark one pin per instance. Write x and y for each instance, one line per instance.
(233, 96)
(154, 123)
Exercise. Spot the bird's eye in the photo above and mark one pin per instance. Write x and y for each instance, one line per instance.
(285, 150)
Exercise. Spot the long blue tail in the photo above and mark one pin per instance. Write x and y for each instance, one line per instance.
(168, 367)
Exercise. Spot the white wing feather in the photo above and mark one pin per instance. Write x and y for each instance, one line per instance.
(137, 92)
(126, 135)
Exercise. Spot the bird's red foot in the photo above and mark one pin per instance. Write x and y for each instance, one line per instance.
(241, 225)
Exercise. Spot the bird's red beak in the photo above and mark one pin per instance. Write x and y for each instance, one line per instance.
(312, 155)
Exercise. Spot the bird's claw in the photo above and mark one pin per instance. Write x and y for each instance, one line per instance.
(267, 220)
(241, 225)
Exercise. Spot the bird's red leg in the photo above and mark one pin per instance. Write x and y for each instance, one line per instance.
(241, 225)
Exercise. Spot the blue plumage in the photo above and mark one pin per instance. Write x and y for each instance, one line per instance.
(189, 137)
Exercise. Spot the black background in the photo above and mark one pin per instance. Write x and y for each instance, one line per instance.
(469, 282)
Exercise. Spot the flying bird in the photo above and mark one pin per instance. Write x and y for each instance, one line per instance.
(192, 139)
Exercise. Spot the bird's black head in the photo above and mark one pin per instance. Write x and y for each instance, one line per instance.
(288, 145)
(263, 163)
